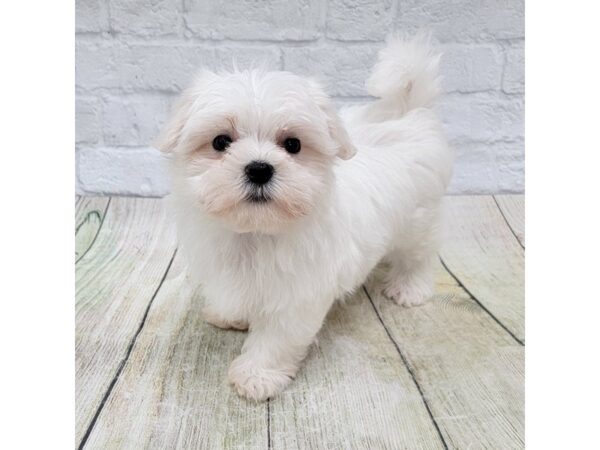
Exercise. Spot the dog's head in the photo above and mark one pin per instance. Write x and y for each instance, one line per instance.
(255, 149)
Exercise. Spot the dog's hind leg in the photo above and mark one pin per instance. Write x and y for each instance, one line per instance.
(213, 317)
(409, 283)
(410, 280)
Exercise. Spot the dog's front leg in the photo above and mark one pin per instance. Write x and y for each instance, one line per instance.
(275, 347)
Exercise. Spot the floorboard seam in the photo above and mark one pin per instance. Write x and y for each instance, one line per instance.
(125, 358)
(97, 232)
(410, 371)
(476, 300)
(508, 223)
(269, 423)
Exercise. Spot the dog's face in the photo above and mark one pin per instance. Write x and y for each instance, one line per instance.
(255, 150)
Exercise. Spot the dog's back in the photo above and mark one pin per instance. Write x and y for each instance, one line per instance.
(402, 147)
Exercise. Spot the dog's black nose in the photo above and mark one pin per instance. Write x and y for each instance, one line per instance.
(259, 172)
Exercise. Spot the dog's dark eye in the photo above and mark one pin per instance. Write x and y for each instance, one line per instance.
(221, 142)
(291, 145)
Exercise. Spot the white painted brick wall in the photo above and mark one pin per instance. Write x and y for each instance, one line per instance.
(134, 56)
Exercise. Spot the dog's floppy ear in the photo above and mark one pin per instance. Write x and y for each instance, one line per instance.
(338, 133)
(168, 139)
(169, 136)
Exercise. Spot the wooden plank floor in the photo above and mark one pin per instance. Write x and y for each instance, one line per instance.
(448, 375)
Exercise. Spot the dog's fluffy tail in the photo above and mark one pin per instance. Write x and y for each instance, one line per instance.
(406, 75)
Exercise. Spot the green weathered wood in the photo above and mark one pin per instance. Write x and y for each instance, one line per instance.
(513, 209)
(353, 391)
(172, 393)
(481, 251)
(115, 282)
(89, 214)
(470, 370)
(359, 386)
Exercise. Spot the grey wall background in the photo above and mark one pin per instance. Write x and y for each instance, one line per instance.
(134, 56)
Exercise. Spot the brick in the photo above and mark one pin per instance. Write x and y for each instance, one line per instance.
(122, 171)
(131, 67)
(87, 120)
(134, 120)
(154, 67)
(481, 117)
(343, 102)
(94, 64)
(355, 20)
(481, 168)
(343, 70)
(513, 81)
(464, 20)
(91, 16)
(510, 166)
(242, 57)
(277, 20)
(471, 68)
(162, 67)
(126, 80)
(473, 169)
(146, 17)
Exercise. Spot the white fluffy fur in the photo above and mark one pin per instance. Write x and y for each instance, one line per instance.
(366, 186)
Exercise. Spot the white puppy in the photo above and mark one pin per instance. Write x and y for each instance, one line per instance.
(283, 206)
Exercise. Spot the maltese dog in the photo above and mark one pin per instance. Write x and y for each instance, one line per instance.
(284, 204)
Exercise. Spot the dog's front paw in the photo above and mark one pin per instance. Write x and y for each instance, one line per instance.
(254, 382)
